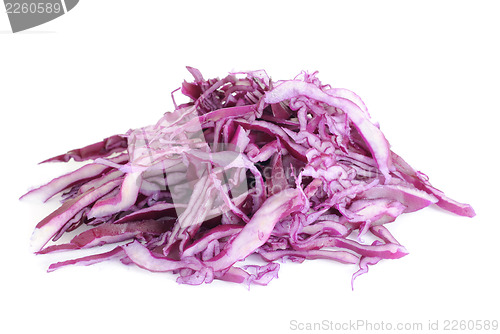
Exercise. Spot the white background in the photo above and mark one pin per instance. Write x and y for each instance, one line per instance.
(428, 70)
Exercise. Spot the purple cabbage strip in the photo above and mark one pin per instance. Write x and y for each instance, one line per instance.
(117, 252)
(87, 173)
(112, 233)
(104, 148)
(49, 226)
(291, 169)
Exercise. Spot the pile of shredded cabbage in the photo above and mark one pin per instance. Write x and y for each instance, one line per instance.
(290, 169)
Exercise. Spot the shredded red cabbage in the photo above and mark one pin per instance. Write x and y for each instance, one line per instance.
(287, 170)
